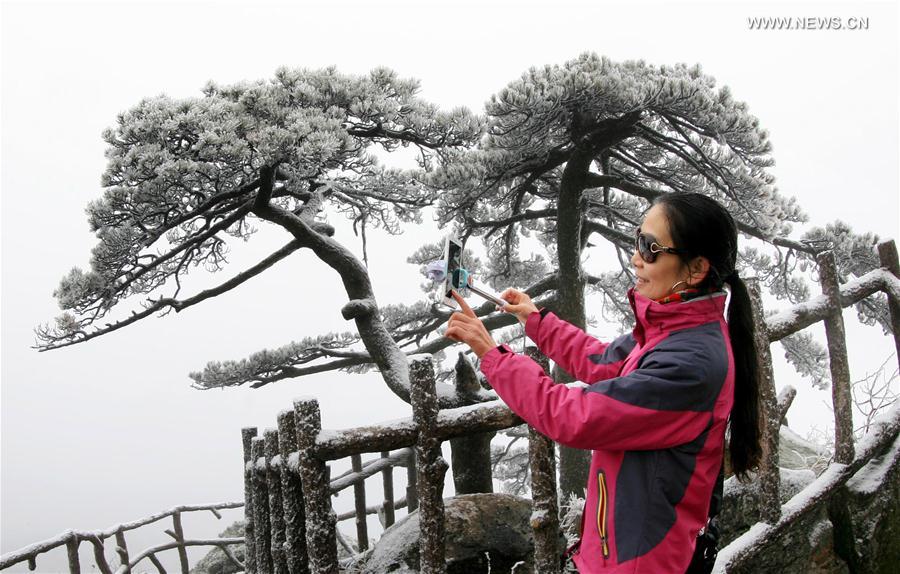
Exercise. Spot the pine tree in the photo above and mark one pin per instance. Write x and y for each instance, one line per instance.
(563, 153)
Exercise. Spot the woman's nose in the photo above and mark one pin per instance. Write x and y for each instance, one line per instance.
(636, 259)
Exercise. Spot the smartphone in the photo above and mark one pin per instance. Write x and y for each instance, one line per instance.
(453, 252)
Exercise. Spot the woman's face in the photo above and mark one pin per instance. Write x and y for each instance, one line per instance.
(655, 280)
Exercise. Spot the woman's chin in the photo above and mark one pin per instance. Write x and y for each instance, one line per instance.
(644, 288)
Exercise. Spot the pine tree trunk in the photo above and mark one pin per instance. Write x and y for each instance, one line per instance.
(574, 464)
(470, 458)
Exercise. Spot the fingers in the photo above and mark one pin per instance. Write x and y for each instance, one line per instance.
(459, 328)
(510, 295)
(464, 307)
(515, 296)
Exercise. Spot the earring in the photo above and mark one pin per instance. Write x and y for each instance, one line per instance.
(672, 289)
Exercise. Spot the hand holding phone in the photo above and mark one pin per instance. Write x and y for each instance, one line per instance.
(518, 303)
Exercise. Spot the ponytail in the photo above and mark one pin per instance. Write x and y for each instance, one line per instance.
(744, 447)
(701, 226)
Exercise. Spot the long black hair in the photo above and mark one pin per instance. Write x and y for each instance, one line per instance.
(699, 225)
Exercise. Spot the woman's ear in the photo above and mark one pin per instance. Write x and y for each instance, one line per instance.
(698, 270)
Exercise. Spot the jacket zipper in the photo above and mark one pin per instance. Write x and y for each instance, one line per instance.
(602, 511)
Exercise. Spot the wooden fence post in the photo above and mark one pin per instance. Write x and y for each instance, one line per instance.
(292, 496)
(122, 551)
(359, 498)
(544, 510)
(247, 435)
(179, 537)
(431, 467)
(72, 550)
(263, 542)
(387, 477)
(785, 399)
(770, 420)
(276, 507)
(321, 536)
(887, 253)
(841, 395)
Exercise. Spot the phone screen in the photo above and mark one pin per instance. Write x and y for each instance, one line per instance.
(453, 256)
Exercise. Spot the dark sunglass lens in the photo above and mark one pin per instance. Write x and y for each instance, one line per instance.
(644, 243)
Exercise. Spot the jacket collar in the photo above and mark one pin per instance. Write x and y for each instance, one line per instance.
(652, 317)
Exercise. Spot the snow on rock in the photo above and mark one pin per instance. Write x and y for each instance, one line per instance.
(872, 476)
(740, 507)
(814, 491)
(744, 543)
(797, 453)
(478, 527)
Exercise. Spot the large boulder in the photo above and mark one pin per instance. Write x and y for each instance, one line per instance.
(483, 533)
(806, 548)
(740, 506)
(868, 534)
(215, 561)
(856, 529)
(801, 461)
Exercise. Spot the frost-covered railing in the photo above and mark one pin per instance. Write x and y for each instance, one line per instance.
(72, 539)
(291, 526)
(279, 487)
(775, 518)
(745, 550)
(276, 524)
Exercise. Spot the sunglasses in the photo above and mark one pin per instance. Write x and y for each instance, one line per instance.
(649, 248)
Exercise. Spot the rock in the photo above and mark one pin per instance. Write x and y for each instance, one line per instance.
(215, 561)
(868, 532)
(740, 507)
(484, 533)
(797, 453)
(857, 529)
(805, 548)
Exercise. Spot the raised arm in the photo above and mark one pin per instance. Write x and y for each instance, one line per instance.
(667, 401)
(579, 354)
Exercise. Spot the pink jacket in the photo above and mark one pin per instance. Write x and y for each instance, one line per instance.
(654, 415)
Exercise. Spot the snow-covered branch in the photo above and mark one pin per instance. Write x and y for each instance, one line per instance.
(802, 315)
(165, 303)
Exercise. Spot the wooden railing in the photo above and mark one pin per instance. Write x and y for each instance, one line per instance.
(291, 526)
(277, 521)
(427, 428)
(72, 539)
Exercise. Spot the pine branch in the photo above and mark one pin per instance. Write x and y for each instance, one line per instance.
(57, 341)
(596, 180)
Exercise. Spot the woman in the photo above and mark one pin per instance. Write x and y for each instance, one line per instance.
(659, 398)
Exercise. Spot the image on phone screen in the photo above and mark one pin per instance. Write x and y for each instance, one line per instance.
(453, 251)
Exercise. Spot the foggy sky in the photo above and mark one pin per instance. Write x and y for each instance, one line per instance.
(110, 430)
